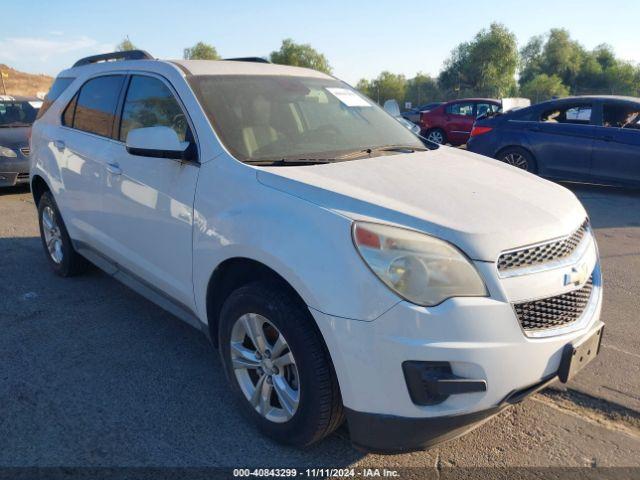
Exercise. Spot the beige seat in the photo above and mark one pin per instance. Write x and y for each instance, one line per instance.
(258, 136)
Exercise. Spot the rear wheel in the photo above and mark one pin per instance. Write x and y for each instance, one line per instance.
(62, 257)
(519, 158)
(278, 365)
(436, 135)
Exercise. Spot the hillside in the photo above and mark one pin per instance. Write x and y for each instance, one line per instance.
(20, 83)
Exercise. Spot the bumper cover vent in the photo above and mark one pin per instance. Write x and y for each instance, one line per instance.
(543, 253)
(26, 151)
(554, 312)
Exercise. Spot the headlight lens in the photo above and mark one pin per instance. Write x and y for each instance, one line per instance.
(420, 268)
(7, 152)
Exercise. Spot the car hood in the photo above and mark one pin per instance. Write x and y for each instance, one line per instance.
(479, 204)
(14, 136)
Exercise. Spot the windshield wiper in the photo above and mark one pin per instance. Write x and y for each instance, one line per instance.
(290, 162)
(15, 124)
(382, 148)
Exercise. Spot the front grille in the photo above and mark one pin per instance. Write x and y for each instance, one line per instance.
(26, 151)
(23, 176)
(554, 312)
(545, 253)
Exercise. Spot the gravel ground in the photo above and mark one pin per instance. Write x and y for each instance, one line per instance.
(94, 375)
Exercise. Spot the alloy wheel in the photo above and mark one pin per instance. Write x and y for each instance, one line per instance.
(52, 234)
(516, 160)
(436, 136)
(265, 367)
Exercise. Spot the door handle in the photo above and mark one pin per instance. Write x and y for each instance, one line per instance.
(59, 144)
(114, 169)
(608, 138)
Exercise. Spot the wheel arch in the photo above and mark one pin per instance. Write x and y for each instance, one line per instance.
(38, 187)
(231, 274)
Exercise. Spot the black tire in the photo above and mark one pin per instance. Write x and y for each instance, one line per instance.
(319, 411)
(71, 263)
(519, 158)
(436, 132)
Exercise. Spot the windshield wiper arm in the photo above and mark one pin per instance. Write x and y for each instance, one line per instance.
(382, 148)
(290, 161)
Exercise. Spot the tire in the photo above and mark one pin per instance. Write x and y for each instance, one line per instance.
(63, 258)
(310, 377)
(436, 135)
(518, 157)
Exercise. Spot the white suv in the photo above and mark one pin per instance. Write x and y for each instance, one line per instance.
(343, 266)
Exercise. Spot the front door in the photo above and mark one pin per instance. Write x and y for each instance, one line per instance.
(459, 122)
(150, 200)
(616, 151)
(562, 141)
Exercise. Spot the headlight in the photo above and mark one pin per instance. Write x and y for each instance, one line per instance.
(420, 268)
(7, 152)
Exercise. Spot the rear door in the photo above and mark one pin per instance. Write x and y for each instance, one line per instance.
(459, 121)
(616, 151)
(562, 140)
(149, 201)
(83, 147)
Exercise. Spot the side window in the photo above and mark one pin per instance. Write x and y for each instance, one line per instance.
(621, 116)
(150, 103)
(465, 109)
(69, 112)
(59, 85)
(486, 108)
(577, 114)
(96, 105)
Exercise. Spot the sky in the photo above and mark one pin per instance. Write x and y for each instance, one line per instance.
(359, 38)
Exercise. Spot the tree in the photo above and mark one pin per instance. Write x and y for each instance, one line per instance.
(422, 89)
(300, 55)
(201, 51)
(484, 66)
(125, 45)
(543, 87)
(387, 86)
(562, 56)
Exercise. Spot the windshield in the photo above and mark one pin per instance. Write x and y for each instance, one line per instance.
(15, 113)
(278, 117)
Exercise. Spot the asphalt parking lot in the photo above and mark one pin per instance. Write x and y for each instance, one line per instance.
(91, 374)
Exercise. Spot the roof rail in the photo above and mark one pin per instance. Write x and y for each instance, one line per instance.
(248, 59)
(104, 57)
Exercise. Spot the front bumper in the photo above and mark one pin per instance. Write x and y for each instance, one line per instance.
(14, 171)
(480, 338)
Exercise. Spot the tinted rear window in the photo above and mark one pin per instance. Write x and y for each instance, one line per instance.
(96, 106)
(59, 85)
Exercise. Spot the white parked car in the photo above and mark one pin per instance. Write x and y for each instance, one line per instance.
(342, 267)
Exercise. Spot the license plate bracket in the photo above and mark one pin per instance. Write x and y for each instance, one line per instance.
(576, 356)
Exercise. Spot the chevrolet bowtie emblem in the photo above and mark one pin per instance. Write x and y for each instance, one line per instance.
(579, 275)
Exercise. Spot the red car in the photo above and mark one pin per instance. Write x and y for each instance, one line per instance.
(452, 122)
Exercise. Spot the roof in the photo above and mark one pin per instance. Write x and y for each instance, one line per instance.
(198, 67)
(475, 99)
(227, 67)
(592, 97)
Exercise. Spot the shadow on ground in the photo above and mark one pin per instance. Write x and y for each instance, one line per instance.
(93, 374)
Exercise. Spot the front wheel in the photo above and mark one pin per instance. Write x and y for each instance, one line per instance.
(278, 365)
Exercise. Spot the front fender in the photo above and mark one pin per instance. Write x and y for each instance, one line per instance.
(309, 246)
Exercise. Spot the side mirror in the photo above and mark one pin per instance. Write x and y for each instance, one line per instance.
(158, 142)
(392, 108)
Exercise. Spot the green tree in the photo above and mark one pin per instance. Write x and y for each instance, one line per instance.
(562, 56)
(422, 89)
(201, 51)
(387, 86)
(364, 87)
(300, 55)
(125, 45)
(543, 87)
(484, 66)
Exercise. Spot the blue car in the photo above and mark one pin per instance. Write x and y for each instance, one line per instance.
(592, 139)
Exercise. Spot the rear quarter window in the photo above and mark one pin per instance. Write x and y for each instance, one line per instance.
(57, 88)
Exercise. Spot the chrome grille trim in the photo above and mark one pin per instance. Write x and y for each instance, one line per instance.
(544, 255)
(26, 151)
